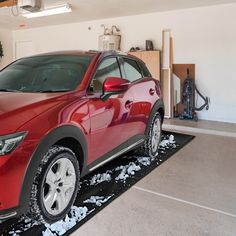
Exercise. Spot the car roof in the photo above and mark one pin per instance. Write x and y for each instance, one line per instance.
(80, 52)
(100, 54)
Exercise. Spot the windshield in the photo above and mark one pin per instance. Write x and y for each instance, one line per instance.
(55, 73)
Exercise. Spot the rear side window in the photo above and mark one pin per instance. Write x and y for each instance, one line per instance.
(145, 71)
(132, 70)
(108, 68)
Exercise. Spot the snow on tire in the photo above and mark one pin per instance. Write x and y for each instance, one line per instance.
(151, 144)
(55, 185)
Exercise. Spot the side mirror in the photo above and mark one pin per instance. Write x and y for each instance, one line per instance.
(114, 85)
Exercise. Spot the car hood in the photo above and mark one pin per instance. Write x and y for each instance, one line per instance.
(18, 108)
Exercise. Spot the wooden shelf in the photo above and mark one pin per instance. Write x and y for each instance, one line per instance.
(152, 61)
(8, 3)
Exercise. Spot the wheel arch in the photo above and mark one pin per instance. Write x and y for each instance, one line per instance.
(158, 107)
(75, 146)
(61, 135)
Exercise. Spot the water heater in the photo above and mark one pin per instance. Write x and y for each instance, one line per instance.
(109, 42)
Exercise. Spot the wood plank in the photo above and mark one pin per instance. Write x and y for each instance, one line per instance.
(181, 70)
(165, 91)
(152, 61)
(8, 3)
(171, 79)
(167, 76)
(136, 54)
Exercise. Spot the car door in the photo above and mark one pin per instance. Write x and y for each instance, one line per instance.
(108, 118)
(143, 90)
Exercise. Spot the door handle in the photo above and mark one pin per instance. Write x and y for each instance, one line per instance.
(152, 91)
(128, 104)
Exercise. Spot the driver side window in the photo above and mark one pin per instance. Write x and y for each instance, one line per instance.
(108, 68)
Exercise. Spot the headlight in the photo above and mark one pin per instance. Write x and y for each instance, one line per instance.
(9, 143)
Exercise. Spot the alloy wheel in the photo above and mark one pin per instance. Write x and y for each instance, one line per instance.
(156, 134)
(59, 186)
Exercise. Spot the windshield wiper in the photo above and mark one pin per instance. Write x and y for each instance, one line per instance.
(9, 90)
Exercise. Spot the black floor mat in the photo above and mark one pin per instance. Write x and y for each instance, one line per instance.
(99, 189)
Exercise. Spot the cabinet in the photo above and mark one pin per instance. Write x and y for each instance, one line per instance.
(152, 61)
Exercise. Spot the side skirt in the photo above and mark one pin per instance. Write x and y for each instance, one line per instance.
(129, 145)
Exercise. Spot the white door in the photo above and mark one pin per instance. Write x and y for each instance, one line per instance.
(24, 49)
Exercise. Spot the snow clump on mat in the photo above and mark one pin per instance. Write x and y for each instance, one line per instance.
(62, 226)
(99, 178)
(167, 142)
(97, 200)
(127, 171)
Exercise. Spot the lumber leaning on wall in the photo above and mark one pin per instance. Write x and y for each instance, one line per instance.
(167, 74)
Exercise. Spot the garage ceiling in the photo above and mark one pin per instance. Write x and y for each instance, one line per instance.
(85, 10)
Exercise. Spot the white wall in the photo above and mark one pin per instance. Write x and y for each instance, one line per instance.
(7, 41)
(205, 36)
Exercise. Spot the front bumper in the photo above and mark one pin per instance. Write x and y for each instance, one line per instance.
(12, 171)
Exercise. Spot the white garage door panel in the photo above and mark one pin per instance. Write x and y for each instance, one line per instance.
(24, 49)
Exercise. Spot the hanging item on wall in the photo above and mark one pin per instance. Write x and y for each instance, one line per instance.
(1, 50)
(110, 40)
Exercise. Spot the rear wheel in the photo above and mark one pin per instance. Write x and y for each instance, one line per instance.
(55, 186)
(150, 146)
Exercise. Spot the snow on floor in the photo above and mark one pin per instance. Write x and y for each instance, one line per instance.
(61, 227)
(98, 200)
(25, 224)
(79, 213)
(99, 178)
(76, 215)
(145, 161)
(167, 142)
(127, 171)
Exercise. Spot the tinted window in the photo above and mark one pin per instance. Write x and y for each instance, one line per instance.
(44, 73)
(132, 70)
(108, 68)
(145, 71)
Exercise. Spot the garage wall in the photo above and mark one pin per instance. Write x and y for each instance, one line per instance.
(7, 41)
(205, 36)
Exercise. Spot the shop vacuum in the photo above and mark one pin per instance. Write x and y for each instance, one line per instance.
(188, 99)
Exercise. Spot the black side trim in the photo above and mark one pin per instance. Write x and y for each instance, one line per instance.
(158, 105)
(4, 213)
(129, 144)
(66, 131)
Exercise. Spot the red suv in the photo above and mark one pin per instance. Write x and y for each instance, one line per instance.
(63, 115)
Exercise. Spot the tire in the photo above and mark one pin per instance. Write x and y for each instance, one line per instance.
(151, 144)
(55, 185)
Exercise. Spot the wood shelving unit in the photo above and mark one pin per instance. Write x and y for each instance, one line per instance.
(8, 3)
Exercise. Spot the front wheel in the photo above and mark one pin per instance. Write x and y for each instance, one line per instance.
(55, 186)
(151, 144)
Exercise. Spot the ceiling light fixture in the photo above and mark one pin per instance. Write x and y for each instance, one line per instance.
(49, 11)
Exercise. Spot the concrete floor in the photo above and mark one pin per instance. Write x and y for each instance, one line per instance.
(202, 126)
(192, 193)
